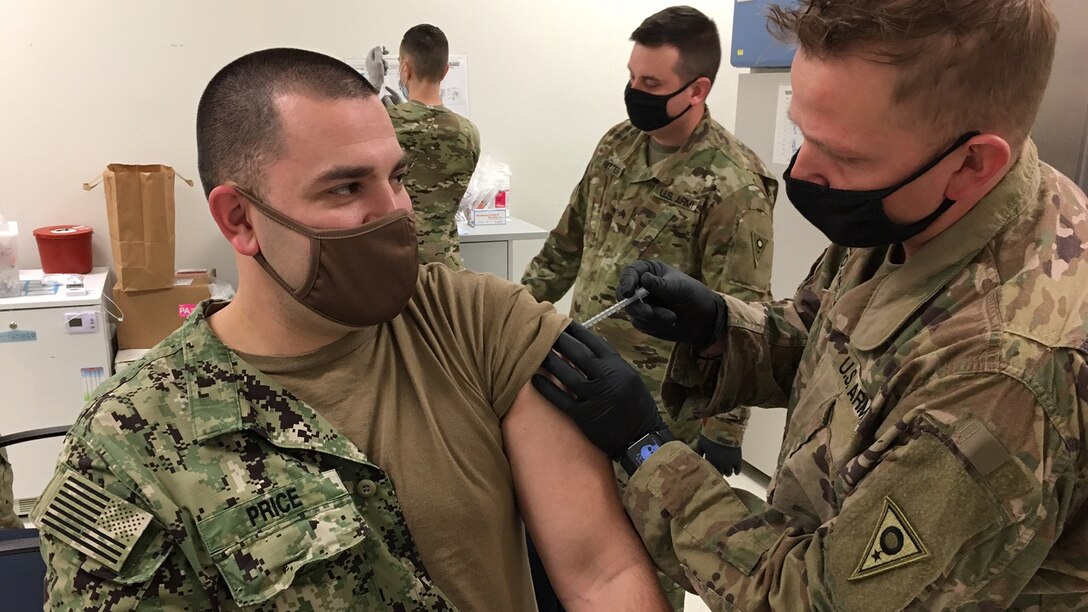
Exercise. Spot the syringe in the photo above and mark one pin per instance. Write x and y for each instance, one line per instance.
(613, 309)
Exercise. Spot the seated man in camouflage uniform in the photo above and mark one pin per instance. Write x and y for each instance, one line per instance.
(443, 147)
(249, 460)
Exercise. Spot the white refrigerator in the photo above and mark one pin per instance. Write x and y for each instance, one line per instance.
(55, 349)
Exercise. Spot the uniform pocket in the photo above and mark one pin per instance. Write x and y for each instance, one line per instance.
(598, 208)
(822, 389)
(260, 545)
(649, 236)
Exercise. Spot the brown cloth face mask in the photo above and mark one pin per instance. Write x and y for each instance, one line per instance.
(357, 276)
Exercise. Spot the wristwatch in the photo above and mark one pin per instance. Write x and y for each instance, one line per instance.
(640, 450)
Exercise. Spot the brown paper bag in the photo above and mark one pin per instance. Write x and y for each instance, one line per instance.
(140, 206)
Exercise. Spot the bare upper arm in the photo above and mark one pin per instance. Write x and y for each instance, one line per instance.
(568, 497)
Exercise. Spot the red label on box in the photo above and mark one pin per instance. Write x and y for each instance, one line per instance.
(184, 310)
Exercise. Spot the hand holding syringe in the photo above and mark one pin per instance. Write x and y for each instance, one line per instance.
(611, 310)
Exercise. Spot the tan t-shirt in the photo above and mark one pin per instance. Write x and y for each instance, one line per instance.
(423, 396)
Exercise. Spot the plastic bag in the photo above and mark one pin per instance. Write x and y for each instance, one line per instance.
(488, 187)
(9, 261)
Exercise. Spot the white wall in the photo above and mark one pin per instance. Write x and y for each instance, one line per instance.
(99, 81)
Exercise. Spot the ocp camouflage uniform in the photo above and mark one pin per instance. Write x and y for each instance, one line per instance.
(197, 483)
(935, 450)
(705, 209)
(8, 518)
(443, 148)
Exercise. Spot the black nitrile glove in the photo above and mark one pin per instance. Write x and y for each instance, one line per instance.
(726, 458)
(604, 396)
(678, 308)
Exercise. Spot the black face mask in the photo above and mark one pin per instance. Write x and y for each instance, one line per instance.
(649, 112)
(856, 219)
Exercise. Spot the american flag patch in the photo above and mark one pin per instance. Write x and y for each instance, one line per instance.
(92, 520)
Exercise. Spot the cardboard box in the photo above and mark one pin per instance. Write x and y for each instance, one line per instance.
(151, 316)
(126, 357)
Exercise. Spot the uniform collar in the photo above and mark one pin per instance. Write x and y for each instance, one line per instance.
(424, 106)
(226, 395)
(909, 286)
(632, 157)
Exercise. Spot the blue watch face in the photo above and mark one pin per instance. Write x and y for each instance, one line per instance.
(645, 452)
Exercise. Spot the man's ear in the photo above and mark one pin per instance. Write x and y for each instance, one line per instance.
(700, 89)
(230, 210)
(988, 158)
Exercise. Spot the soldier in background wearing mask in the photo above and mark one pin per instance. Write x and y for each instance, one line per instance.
(934, 364)
(353, 431)
(443, 147)
(670, 184)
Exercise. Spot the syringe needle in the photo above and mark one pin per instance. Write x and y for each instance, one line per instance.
(607, 312)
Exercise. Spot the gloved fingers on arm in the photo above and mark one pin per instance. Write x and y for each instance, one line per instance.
(572, 345)
(592, 342)
(569, 376)
(551, 392)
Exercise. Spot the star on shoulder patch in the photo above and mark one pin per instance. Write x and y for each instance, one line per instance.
(894, 544)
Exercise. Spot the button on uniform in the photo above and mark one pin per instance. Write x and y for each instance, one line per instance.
(366, 488)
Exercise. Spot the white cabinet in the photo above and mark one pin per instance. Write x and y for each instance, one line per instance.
(502, 250)
(54, 351)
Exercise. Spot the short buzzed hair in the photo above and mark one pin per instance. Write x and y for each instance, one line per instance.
(238, 127)
(692, 33)
(429, 51)
(963, 64)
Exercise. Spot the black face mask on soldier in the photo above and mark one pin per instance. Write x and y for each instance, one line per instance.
(856, 219)
(649, 112)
